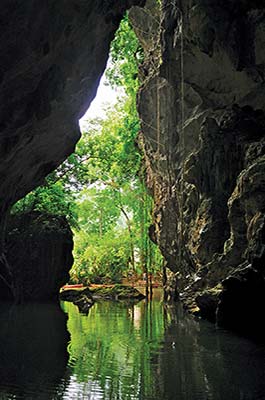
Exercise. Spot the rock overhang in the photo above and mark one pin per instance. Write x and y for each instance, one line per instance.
(52, 57)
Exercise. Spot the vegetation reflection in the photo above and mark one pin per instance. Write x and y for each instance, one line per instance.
(116, 346)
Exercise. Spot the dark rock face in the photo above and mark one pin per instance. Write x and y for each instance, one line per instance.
(38, 258)
(52, 54)
(241, 303)
(202, 108)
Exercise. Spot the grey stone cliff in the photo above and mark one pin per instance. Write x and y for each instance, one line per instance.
(201, 104)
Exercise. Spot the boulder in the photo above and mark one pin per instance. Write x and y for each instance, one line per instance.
(38, 257)
(83, 299)
(207, 303)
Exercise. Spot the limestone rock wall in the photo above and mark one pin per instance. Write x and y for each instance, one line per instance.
(52, 54)
(202, 110)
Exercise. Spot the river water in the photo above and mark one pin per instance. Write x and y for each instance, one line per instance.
(123, 351)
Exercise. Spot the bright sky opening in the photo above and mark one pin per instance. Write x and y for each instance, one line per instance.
(106, 97)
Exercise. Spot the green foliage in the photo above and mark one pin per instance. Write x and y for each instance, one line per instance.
(126, 55)
(97, 211)
(51, 198)
(112, 157)
(100, 260)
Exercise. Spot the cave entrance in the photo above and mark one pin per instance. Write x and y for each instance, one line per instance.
(112, 244)
(100, 189)
(112, 207)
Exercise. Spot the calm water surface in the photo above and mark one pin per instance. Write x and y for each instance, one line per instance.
(123, 351)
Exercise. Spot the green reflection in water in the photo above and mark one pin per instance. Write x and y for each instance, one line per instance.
(116, 347)
(149, 351)
(146, 351)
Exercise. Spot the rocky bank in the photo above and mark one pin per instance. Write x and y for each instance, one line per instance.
(202, 110)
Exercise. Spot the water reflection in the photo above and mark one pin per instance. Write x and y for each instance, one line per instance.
(197, 361)
(143, 351)
(152, 352)
(33, 351)
(111, 348)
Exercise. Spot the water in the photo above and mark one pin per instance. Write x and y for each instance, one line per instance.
(122, 351)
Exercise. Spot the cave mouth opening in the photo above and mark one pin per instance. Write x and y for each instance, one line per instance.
(99, 191)
(114, 207)
(112, 244)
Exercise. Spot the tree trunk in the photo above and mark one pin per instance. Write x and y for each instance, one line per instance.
(100, 223)
(128, 223)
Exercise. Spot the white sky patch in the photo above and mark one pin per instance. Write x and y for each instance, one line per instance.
(105, 98)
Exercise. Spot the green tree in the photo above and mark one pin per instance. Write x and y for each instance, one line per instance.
(50, 198)
(126, 54)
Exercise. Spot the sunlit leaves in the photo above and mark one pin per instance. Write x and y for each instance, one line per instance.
(102, 259)
(126, 55)
(51, 198)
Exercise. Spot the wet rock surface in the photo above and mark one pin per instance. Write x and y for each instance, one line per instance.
(83, 299)
(116, 292)
(202, 111)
